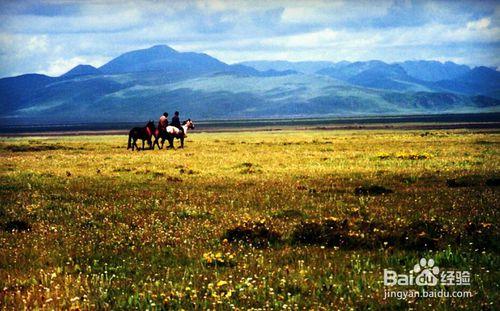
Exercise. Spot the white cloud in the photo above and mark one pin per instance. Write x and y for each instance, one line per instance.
(388, 44)
(37, 44)
(327, 12)
(304, 15)
(60, 66)
(86, 23)
(483, 23)
(308, 40)
(243, 30)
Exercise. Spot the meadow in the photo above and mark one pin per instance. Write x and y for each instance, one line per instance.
(264, 220)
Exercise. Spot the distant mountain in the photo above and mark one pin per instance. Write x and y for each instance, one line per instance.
(15, 92)
(380, 75)
(162, 58)
(375, 74)
(483, 75)
(82, 70)
(478, 81)
(139, 85)
(349, 70)
(281, 65)
(243, 70)
(433, 70)
(389, 77)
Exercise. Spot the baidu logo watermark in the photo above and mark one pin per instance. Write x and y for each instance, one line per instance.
(426, 273)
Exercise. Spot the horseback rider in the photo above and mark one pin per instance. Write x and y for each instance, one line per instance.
(177, 123)
(163, 122)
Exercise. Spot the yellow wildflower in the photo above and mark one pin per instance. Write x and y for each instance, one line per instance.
(221, 283)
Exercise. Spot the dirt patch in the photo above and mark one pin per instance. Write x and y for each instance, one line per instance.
(122, 169)
(250, 171)
(422, 234)
(413, 156)
(16, 225)
(342, 233)
(174, 179)
(186, 171)
(361, 234)
(301, 187)
(331, 232)
(248, 168)
(461, 182)
(372, 190)
(493, 182)
(255, 234)
(405, 156)
(482, 235)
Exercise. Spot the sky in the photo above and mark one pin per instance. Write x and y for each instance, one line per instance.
(53, 36)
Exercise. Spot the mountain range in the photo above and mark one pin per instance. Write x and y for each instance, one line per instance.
(142, 84)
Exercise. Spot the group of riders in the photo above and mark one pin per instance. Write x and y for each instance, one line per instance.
(163, 122)
(164, 131)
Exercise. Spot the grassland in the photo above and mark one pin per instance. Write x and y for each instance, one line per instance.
(273, 220)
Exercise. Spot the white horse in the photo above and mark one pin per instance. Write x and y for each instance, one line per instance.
(174, 132)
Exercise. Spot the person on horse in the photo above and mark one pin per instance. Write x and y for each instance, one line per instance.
(163, 122)
(177, 123)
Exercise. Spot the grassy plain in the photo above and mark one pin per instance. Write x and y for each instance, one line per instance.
(270, 220)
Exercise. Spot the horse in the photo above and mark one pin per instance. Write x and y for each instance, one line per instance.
(173, 132)
(143, 133)
(160, 134)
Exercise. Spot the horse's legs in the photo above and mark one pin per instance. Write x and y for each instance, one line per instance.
(156, 143)
(163, 139)
(170, 143)
(182, 142)
(135, 144)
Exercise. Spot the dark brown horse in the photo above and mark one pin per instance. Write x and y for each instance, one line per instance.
(142, 133)
(160, 134)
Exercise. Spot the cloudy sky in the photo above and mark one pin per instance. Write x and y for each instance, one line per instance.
(55, 35)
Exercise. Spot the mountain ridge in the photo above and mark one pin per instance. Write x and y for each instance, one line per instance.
(144, 83)
(82, 70)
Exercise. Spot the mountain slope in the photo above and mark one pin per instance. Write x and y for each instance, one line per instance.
(350, 70)
(434, 71)
(376, 74)
(142, 84)
(478, 81)
(162, 58)
(82, 70)
(119, 98)
(308, 67)
(15, 92)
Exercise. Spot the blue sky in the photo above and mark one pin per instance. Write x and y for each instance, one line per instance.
(53, 36)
